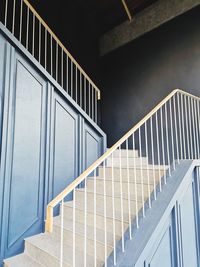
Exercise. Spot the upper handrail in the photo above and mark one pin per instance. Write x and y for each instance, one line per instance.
(62, 46)
(87, 172)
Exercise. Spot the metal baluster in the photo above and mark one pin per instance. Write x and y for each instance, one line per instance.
(167, 139)
(141, 171)
(92, 103)
(96, 106)
(76, 85)
(105, 214)
(95, 223)
(113, 211)
(176, 132)
(6, 13)
(27, 28)
(183, 127)
(89, 100)
(135, 183)
(198, 120)
(152, 155)
(147, 156)
(33, 37)
(67, 74)
(51, 56)
(45, 52)
(85, 225)
(20, 23)
(81, 90)
(61, 232)
(13, 22)
(72, 79)
(194, 129)
(56, 61)
(158, 151)
(187, 129)
(39, 40)
(85, 104)
(162, 141)
(190, 129)
(180, 129)
(128, 188)
(121, 199)
(62, 67)
(74, 227)
(172, 135)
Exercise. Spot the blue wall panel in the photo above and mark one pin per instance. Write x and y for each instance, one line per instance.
(187, 228)
(26, 181)
(65, 145)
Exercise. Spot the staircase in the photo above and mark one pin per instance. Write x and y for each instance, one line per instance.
(44, 249)
(111, 197)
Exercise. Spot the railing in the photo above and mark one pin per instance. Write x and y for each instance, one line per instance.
(21, 19)
(168, 134)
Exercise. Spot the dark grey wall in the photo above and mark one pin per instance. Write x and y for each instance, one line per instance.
(75, 24)
(137, 76)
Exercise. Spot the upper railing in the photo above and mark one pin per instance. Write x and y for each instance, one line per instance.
(35, 35)
(166, 135)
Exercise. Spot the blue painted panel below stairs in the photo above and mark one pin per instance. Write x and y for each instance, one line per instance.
(65, 145)
(24, 183)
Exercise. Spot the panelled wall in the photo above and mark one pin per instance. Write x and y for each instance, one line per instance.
(46, 142)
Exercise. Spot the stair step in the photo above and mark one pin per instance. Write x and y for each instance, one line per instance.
(80, 237)
(46, 250)
(117, 187)
(21, 260)
(123, 153)
(131, 162)
(109, 205)
(80, 217)
(80, 195)
(133, 172)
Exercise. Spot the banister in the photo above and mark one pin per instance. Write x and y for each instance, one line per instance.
(61, 45)
(87, 172)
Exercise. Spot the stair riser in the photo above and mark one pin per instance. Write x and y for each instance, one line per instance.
(117, 188)
(80, 217)
(109, 205)
(80, 243)
(123, 153)
(133, 174)
(131, 162)
(42, 257)
(48, 259)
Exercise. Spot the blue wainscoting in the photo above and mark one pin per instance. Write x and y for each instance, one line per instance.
(169, 234)
(46, 141)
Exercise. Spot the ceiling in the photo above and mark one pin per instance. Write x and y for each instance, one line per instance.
(111, 13)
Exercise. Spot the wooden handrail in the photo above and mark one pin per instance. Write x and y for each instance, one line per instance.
(87, 172)
(62, 46)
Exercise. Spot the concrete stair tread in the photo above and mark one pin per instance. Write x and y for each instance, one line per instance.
(22, 260)
(80, 230)
(80, 207)
(145, 167)
(51, 246)
(108, 195)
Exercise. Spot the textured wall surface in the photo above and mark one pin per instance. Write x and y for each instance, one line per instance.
(150, 18)
(140, 74)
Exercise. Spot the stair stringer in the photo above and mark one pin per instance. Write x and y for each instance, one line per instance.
(145, 237)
